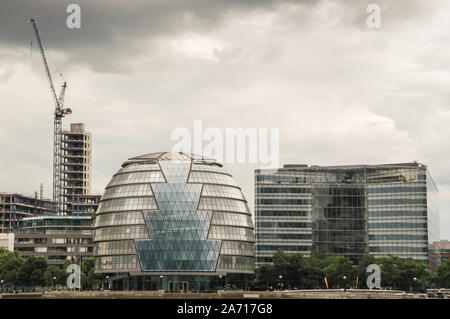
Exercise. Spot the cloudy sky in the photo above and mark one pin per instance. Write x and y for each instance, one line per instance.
(340, 93)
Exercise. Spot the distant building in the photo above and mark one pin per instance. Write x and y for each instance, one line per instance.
(381, 210)
(174, 221)
(439, 253)
(14, 207)
(76, 146)
(56, 238)
(7, 241)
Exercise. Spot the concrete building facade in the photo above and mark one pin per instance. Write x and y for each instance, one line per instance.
(439, 253)
(76, 146)
(14, 207)
(56, 238)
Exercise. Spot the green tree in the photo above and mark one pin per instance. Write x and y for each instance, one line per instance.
(265, 275)
(58, 273)
(338, 268)
(89, 279)
(442, 276)
(31, 272)
(9, 263)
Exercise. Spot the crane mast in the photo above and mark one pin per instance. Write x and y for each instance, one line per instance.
(60, 112)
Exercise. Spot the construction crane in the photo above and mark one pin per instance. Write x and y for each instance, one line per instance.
(60, 112)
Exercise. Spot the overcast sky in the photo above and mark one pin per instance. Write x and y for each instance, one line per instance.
(340, 93)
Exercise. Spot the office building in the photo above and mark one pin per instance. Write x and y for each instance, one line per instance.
(174, 221)
(381, 210)
(56, 238)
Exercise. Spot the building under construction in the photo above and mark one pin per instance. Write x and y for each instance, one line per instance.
(15, 206)
(76, 159)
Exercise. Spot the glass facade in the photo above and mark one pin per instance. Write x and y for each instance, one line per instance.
(173, 213)
(353, 211)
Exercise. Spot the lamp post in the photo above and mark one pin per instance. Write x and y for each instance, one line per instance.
(53, 282)
(281, 283)
(1, 281)
(107, 282)
(345, 282)
(415, 280)
(161, 281)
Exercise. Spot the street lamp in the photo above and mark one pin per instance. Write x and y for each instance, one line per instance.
(281, 284)
(1, 281)
(415, 280)
(53, 282)
(107, 282)
(345, 278)
(161, 281)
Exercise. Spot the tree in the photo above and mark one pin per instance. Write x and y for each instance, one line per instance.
(442, 276)
(265, 275)
(338, 268)
(58, 273)
(89, 278)
(9, 263)
(31, 271)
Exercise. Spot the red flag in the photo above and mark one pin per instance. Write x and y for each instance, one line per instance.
(356, 282)
(326, 281)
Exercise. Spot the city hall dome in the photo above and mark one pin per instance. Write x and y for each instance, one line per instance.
(173, 213)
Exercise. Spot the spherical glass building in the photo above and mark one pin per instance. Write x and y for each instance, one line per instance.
(173, 221)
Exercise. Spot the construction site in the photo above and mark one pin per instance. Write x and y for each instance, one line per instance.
(59, 228)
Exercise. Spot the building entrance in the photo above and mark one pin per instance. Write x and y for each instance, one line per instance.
(178, 286)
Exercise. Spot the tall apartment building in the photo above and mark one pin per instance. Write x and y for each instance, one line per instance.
(14, 207)
(356, 210)
(76, 148)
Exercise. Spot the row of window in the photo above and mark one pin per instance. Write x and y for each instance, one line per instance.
(397, 225)
(283, 225)
(282, 213)
(116, 262)
(223, 204)
(211, 178)
(128, 191)
(137, 177)
(397, 213)
(222, 191)
(139, 167)
(286, 236)
(398, 249)
(237, 248)
(123, 218)
(236, 263)
(397, 201)
(121, 232)
(287, 248)
(283, 190)
(282, 201)
(115, 248)
(120, 204)
(208, 168)
(231, 233)
(397, 189)
(220, 218)
(397, 237)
